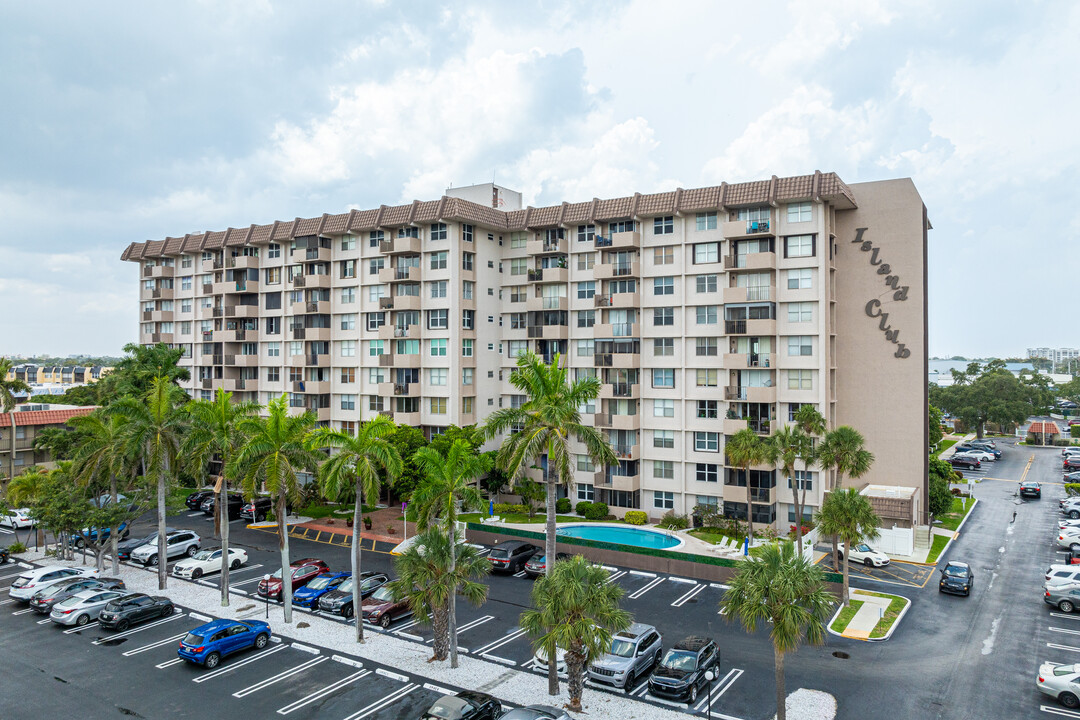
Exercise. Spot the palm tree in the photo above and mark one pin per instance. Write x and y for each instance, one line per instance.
(358, 467)
(744, 449)
(812, 423)
(274, 451)
(155, 427)
(449, 481)
(543, 425)
(8, 388)
(26, 489)
(843, 450)
(786, 447)
(575, 608)
(215, 432)
(847, 514)
(104, 454)
(426, 581)
(780, 587)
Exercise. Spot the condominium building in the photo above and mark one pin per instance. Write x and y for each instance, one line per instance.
(20, 430)
(54, 379)
(702, 311)
(1056, 355)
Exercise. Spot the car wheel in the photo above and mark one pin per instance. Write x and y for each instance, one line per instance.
(1075, 514)
(693, 694)
(261, 517)
(152, 560)
(123, 625)
(1066, 606)
(868, 562)
(346, 612)
(82, 619)
(631, 678)
(384, 621)
(80, 544)
(196, 573)
(1069, 700)
(192, 549)
(235, 565)
(261, 640)
(212, 660)
(167, 611)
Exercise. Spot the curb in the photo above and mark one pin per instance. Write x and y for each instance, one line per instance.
(956, 534)
(892, 628)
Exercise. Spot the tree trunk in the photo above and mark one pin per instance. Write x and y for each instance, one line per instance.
(575, 678)
(113, 540)
(286, 571)
(781, 699)
(440, 642)
(358, 615)
(847, 548)
(452, 614)
(223, 502)
(749, 510)
(163, 557)
(835, 561)
(549, 549)
(798, 510)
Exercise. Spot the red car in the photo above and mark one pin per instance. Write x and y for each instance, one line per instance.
(303, 572)
(1071, 463)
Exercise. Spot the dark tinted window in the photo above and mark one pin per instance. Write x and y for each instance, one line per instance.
(193, 639)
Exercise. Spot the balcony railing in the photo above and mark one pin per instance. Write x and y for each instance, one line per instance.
(386, 303)
(602, 360)
(401, 388)
(602, 300)
(299, 333)
(299, 281)
(386, 360)
(312, 307)
(758, 360)
(623, 451)
(758, 293)
(218, 312)
(536, 275)
(734, 392)
(735, 327)
(536, 331)
(757, 226)
(622, 389)
(622, 268)
(207, 336)
(602, 242)
(622, 329)
(402, 331)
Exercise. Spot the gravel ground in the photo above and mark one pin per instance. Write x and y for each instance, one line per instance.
(508, 684)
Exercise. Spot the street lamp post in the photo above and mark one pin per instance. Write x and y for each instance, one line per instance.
(709, 677)
(266, 598)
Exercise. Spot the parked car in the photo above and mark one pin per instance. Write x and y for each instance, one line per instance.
(983, 455)
(91, 535)
(44, 599)
(535, 712)
(1072, 450)
(258, 509)
(1068, 500)
(181, 542)
(466, 705)
(208, 561)
(537, 564)
(195, 499)
(1061, 682)
(632, 654)
(681, 672)
(1064, 596)
(300, 572)
(339, 601)
(235, 504)
(956, 578)
(35, 579)
(1030, 488)
(83, 607)
(1069, 538)
(541, 662)
(308, 596)
(511, 555)
(122, 613)
(987, 444)
(207, 644)
(863, 553)
(125, 548)
(1073, 477)
(380, 608)
(1061, 575)
(1071, 463)
(968, 463)
(17, 518)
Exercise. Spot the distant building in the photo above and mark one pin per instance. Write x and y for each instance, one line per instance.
(1057, 355)
(55, 379)
(20, 428)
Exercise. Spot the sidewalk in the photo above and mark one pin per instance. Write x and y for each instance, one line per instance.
(867, 617)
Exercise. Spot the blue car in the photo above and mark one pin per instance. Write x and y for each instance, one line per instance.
(91, 535)
(308, 595)
(207, 644)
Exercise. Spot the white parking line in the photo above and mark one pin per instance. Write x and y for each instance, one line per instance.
(279, 677)
(682, 580)
(615, 576)
(1063, 615)
(1064, 630)
(380, 704)
(11, 575)
(176, 616)
(392, 675)
(243, 582)
(153, 645)
(244, 568)
(640, 689)
(7, 602)
(520, 573)
(470, 625)
(496, 658)
(642, 573)
(46, 620)
(78, 629)
(242, 663)
(641, 591)
(23, 612)
(1070, 648)
(724, 685)
(1058, 711)
(687, 596)
(319, 694)
(409, 624)
(169, 663)
(197, 514)
(496, 644)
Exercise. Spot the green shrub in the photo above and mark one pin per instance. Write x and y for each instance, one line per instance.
(16, 547)
(672, 521)
(1072, 489)
(1062, 443)
(636, 517)
(1074, 431)
(562, 505)
(582, 508)
(596, 511)
(502, 508)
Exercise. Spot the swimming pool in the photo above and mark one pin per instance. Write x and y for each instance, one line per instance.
(621, 535)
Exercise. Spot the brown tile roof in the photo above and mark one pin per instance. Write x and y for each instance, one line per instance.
(1048, 428)
(826, 186)
(43, 417)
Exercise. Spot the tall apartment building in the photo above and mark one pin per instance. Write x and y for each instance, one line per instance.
(1057, 355)
(702, 311)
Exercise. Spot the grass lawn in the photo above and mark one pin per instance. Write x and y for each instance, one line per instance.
(841, 622)
(895, 607)
(712, 535)
(945, 445)
(940, 541)
(524, 518)
(960, 508)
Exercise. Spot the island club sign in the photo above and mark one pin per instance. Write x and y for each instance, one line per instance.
(892, 281)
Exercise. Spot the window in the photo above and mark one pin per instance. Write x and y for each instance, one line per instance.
(663, 500)
(467, 348)
(586, 318)
(663, 408)
(438, 406)
(664, 286)
(412, 232)
(438, 260)
(409, 347)
(468, 319)
(586, 290)
(348, 269)
(664, 225)
(348, 348)
(707, 472)
(273, 374)
(800, 380)
(467, 289)
(706, 253)
(375, 348)
(438, 289)
(663, 439)
(585, 464)
(375, 403)
(273, 250)
(518, 294)
(348, 376)
(273, 276)
(663, 377)
(586, 261)
(800, 345)
(438, 319)
(185, 327)
(621, 226)
(185, 282)
(663, 317)
(663, 347)
(348, 402)
(438, 348)
(374, 320)
(376, 376)
(437, 376)
(799, 212)
(467, 260)
(663, 469)
(518, 240)
(584, 492)
(348, 322)
(516, 347)
(800, 312)
(799, 246)
(466, 232)
(805, 479)
(185, 305)
(296, 347)
(706, 221)
(801, 279)
(467, 404)
(273, 349)
(519, 266)
(467, 376)
(707, 377)
(438, 231)
(707, 409)
(348, 295)
(706, 314)
(586, 348)
(376, 237)
(348, 242)
(586, 233)
(706, 283)
(664, 255)
(707, 442)
(706, 347)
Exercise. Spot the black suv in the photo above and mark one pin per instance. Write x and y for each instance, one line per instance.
(258, 510)
(124, 612)
(235, 504)
(511, 556)
(681, 674)
(965, 462)
(195, 499)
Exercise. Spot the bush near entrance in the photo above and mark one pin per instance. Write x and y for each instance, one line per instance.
(636, 517)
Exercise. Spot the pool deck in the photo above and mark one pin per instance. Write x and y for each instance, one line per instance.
(690, 544)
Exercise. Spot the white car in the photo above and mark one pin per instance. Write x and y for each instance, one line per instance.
(180, 542)
(540, 660)
(1068, 522)
(984, 455)
(1061, 682)
(205, 562)
(1069, 538)
(865, 554)
(1062, 574)
(83, 607)
(33, 580)
(17, 519)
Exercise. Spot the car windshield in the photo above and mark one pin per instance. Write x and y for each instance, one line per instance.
(448, 708)
(193, 639)
(345, 586)
(276, 575)
(319, 583)
(1064, 670)
(383, 594)
(955, 571)
(622, 648)
(203, 554)
(680, 660)
(113, 606)
(538, 560)
(499, 553)
(69, 602)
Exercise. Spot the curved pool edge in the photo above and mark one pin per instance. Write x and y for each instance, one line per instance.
(680, 544)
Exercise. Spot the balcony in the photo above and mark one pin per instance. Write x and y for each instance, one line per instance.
(540, 246)
(619, 240)
(617, 300)
(750, 327)
(736, 229)
(537, 304)
(761, 293)
(161, 294)
(311, 281)
(617, 360)
(549, 332)
(238, 384)
(744, 361)
(399, 389)
(401, 302)
(612, 391)
(317, 360)
(407, 418)
(628, 483)
(750, 261)
(242, 261)
(206, 313)
(750, 394)
(734, 425)
(158, 271)
(400, 274)
(617, 422)
(241, 360)
(627, 452)
(549, 275)
(605, 271)
(235, 286)
(312, 387)
(210, 265)
(615, 330)
(399, 332)
(161, 338)
(315, 254)
(241, 311)
(157, 315)
(400, 246)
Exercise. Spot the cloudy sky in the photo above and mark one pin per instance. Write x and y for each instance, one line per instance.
(131, 121)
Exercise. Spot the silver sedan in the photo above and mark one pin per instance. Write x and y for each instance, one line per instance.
(1061, 682)
(82, 608)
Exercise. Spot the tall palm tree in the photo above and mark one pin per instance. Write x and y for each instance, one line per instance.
(426, 581)
(744, 449)
(543, 425)
(8, 388)
(847, 514)
(785, 448)
(448, 482)
(357, 467)
(274, 451)
(215, 432)
(576, 609)
(780, 587)
(155, 427)
(104, 454)
(843, 450)
(26, 489)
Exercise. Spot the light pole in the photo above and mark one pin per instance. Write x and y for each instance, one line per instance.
(266, 598)
(405, 520)
(709, 677)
